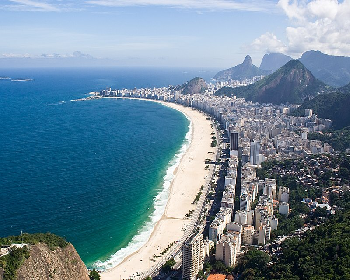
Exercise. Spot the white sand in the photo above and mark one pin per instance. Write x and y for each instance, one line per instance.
(189, 177)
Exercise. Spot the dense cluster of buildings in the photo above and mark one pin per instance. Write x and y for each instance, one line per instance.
(257, 132)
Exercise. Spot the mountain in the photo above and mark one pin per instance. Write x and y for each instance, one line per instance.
(345, 88)
(332, 70)
(194, 86)
(44, 256)
(292, 83)
(245, 70)
(273, 61)
(334, 106)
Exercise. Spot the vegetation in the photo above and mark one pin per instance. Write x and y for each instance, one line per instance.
(333, 106)
(292, 83)
(338, 139)
(94, 275)
(51, 240)
(323, 253)
(197, 197)
(190, 212)
(213, 266)
(214, 143)
(168, 265)
(196, 85)
(12, 261)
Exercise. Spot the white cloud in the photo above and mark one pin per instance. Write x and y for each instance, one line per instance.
(254, 5)
(269, 43)
(15, 55)
(322, 25)
(292, 10)
(24, 5)
(324, 8)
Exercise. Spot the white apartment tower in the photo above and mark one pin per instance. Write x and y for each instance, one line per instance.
(192, 257)
(254, 153)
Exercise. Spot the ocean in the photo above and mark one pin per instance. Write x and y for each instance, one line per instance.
(96, 172)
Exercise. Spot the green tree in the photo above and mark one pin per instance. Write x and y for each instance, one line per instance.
(168, 265)
(94, 275)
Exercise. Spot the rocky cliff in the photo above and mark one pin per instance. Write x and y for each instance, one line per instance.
(274, 61)
(59, 264)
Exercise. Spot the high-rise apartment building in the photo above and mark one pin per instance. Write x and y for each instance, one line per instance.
(234, 141)
(192, 257)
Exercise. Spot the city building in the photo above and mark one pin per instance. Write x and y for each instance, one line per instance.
(192, 257)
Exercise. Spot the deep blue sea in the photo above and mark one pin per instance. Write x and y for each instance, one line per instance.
(96, 172)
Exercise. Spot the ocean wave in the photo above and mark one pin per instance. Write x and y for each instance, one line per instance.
(160, 202)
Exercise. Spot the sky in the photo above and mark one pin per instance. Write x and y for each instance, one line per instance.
(175, 33)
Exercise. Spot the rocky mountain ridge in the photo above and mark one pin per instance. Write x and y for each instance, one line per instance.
(292, 83)
(245, 70)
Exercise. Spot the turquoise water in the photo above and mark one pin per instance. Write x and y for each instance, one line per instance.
(93, 171)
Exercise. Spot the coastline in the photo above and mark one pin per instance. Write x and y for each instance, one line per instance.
(189, 176)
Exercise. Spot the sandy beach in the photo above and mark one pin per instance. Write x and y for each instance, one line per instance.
(189, 177)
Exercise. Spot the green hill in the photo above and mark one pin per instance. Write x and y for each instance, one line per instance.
(194, 86)
(334, 106)
(292, 83)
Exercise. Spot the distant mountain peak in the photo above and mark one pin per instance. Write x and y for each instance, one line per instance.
(245, 70)
(332, 70)
(248, 60)
(292, 83)
(274, 61)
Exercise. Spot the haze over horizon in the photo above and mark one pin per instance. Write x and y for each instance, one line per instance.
(211, 33)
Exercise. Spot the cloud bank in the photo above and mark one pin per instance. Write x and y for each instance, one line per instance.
(30, 5)
(322, 25)
(254, 6)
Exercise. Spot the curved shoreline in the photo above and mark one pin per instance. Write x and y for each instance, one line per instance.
(160, 202)
(190, 175)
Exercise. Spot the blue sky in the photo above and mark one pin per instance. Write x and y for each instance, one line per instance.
(203, 33)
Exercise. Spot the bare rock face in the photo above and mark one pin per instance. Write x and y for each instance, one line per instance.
(60, 264)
